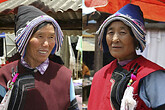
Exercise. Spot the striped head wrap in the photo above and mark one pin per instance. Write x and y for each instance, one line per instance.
(28, 18)
(132, 16)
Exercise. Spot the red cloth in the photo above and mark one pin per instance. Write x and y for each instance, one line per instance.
(2, 1)
(102, 83)
(152, 9)
(52, 90)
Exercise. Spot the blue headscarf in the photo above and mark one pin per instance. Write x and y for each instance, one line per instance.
(132, 16)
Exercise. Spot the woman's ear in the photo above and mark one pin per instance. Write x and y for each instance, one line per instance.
(137, 45)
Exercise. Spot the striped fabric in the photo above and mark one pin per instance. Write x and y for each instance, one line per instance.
(23, 36)
(136, 25)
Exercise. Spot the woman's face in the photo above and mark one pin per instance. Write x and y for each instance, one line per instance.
(120, 42)
(40, 45)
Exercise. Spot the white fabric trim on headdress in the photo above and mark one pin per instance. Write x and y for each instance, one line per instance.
(23, 37)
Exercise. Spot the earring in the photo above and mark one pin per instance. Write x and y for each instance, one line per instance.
(137, 48)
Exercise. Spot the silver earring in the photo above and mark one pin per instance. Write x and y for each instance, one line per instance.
(137, 48)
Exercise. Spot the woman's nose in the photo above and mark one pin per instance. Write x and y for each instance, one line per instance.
(45, 43)
(115, 37)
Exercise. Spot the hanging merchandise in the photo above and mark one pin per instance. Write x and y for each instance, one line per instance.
(79, 55)
(72, 56)
(79, 48)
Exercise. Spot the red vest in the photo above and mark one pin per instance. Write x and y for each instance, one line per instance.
(100, 94)
(51, 91)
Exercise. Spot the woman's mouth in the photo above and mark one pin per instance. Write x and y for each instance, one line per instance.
(116, 46)
(43, 51)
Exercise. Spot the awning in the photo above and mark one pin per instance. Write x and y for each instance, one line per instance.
(68, 13)
(152, 9)
(50, 5)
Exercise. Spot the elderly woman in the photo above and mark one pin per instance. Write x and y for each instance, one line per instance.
(41, 83)
(130, 81)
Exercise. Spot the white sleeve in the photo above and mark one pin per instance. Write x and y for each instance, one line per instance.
(152, 89)
(72, 91)
(2, 91)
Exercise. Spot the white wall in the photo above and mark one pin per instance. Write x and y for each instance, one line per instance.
(155, 46)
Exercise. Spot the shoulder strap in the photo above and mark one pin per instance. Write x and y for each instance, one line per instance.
(23, 83)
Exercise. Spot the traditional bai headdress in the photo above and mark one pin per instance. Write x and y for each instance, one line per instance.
(132, 16)
(27, 19)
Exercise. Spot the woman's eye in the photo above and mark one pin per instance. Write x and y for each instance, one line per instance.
(110, 32)
(122, 33)
(51, 37)
(40, 36)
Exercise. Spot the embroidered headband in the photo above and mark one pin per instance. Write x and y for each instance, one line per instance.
(132, 16)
